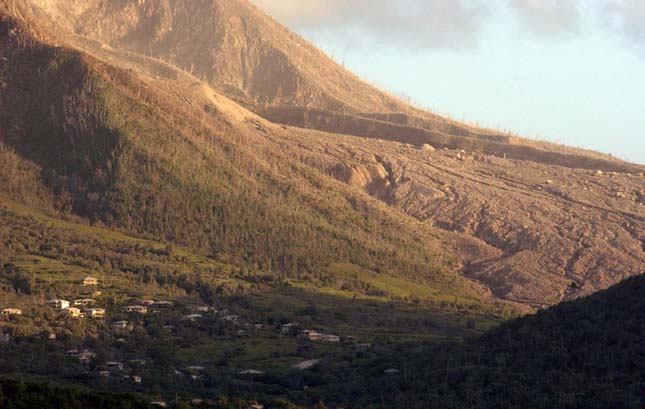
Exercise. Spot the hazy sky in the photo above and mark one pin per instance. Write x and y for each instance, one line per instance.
(570, 71)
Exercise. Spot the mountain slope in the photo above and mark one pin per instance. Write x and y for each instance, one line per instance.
(587, 353)
(176, 161)
(247, 55)
(535, 224)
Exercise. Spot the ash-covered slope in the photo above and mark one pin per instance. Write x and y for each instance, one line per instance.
(144, 148)
(229, 43)
(533, 222)
(270, 70)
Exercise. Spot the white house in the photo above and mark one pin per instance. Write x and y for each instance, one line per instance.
(84, 302)
(90, 281)
(58, 304)
(122, 326)
(71, 312)
(86, 356)
(306, 364)
(194, 369)
(288, 328)
(11, 311)
(231, 318)
(317, 336)
(139, 309)
(115, 366)
(95, 312)
(252, 372)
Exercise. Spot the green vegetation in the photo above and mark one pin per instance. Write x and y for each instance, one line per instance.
(45, 257)
(583, 354)
(15, 394)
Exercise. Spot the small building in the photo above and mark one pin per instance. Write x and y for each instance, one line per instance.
(90, 281)
(329, 338)
(251, 372)
(11, 311)
(288, 328)
(159, 403)
(194, 317)
(163, 304)
(85, 356)
(147, 302)
(194, 369)
(136, 378)
(115, 366)
(139, 309)
(122, 326)
(231, 318)
(306, 364)
(318, 337)
(95, 312)
(72, 312)
(391, 371)
(84, 302)
(104, 374)
(201, 308)
(58, 304)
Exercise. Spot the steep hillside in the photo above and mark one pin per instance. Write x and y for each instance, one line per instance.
(175, 161)
(533, 224)
(588, 353)
(250, 57)
(253, 59)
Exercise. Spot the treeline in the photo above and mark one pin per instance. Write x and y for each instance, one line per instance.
(18, 394)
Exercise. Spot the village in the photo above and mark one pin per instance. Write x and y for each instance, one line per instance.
(123, 325)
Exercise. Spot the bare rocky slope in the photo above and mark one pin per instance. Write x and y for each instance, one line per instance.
(534, 222)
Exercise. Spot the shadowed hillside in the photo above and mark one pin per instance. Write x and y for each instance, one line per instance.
(587, 353)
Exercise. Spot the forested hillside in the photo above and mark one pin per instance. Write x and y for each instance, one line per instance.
(583, 354)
